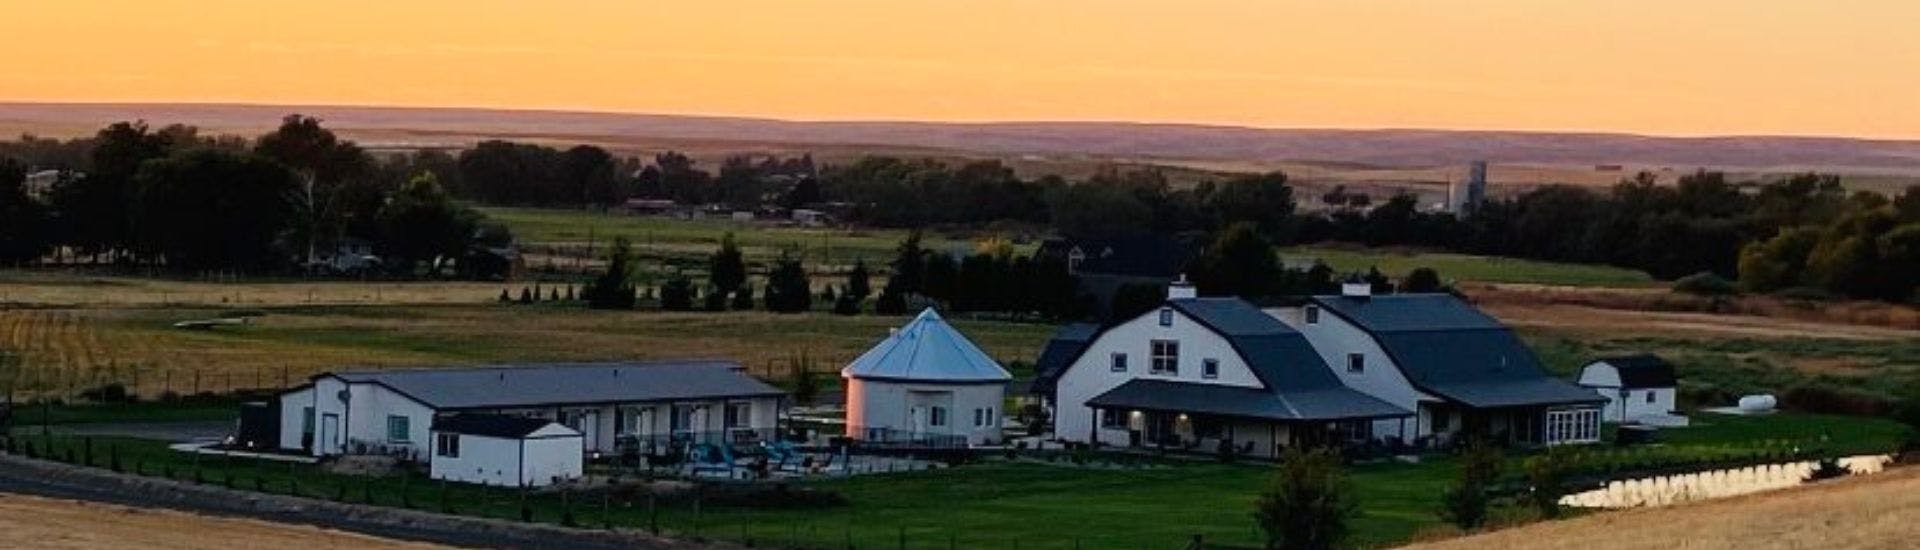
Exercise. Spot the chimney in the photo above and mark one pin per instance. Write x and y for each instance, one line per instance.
(1181, 289)
(1356, 289)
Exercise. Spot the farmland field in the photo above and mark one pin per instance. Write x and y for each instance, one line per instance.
(33, 522)
(1864, 513)
(1397, 263)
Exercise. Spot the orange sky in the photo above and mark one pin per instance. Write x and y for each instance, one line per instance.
(1686, 67)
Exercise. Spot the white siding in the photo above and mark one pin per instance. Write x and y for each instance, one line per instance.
(294, 407)
(891, 405)
(1334, 338)
(1091, 374)
(362, 419)
(1630, 405)
(551, 457)
(551, 453)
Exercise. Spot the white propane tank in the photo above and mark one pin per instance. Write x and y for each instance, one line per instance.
(1762, 403)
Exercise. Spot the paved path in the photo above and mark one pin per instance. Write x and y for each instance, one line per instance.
(47, 479)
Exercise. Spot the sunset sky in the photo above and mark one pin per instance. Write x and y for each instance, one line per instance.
(1688, 67)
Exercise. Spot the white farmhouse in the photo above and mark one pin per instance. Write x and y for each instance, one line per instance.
(1640, 389)
(926, 384)
(1207, 375)
(508, 451)
(1459, 369)
(614, 407)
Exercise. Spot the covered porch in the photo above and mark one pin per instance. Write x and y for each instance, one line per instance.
(1513, 426)
(1233, 420)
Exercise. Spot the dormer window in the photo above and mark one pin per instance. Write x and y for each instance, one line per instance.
(1313, 315)
(1166, 316)
(1357, 363)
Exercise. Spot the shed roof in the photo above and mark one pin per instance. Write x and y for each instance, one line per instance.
(1643, 370)
(490, 425)
(930, 350)
(1449, 348)
(543, 384)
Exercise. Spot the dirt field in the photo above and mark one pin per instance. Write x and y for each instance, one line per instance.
(34, 522)
(1863, 513)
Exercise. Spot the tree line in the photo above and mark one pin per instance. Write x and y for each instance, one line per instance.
(175, 199)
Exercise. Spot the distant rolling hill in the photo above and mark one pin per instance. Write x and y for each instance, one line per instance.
(1223, 147)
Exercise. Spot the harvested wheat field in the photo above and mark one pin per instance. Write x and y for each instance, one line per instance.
(34, 522)
(1871, 512)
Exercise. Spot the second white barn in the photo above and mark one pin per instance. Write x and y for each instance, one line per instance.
(925, 384)
(508, 451)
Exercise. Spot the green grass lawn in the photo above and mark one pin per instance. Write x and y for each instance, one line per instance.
(998, 504)
(697, 238)
(1465, 267)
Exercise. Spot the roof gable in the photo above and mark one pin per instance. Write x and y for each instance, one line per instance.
(1642, 371)
(1066, 345)
(494, 425)
(927, 349)
(1445, 346)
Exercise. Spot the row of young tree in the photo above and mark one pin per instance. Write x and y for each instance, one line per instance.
(172, 198)
(523, 174)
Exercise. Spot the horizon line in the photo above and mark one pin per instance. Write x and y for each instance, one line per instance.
(949, 122)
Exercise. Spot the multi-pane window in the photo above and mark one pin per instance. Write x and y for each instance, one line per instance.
(979, 417)
(1110, 418)
(937, 416)
(1119, 362)
(739, 415)
(1210, 368)
(683, 418)
(1356, 363)
(990, 417)
(1573, 426)
(447, 445)
(306, 421)
(1166, 357)
(398, 428)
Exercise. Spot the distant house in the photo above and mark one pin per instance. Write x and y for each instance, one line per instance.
(615, 407)
(1462, 371)
(40, 184)
(926, 383)
(350, 255)
(1102, 266)
(1640, 389)
(1203, 374)
(510, 451)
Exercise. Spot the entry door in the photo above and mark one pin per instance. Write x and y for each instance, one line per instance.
(590, 425)
(918, 416)
(329, 433)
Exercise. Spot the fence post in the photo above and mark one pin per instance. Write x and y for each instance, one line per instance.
(653, 513)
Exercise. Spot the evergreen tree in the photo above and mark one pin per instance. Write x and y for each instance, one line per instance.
(614, 288)
(1465, 503)
(677, 294)
(909, 266)
(725, 269)
(743, 298)
(857, 284)
(716, 299)
(788, 290)
(1308, 503)
(1421, 280)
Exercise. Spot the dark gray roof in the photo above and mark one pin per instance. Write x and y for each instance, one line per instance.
(1234, 401)
(1140, 255)
(1642, 371)
(543, 384)
(491, 425)
(1448, 348)
(1283, 360)
(1060, 351)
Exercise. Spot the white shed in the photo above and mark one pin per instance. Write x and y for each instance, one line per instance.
(925, 384)
(1640, 389)
(508, 451)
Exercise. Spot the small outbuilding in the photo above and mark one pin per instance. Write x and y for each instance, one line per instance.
(925, 384)
(1640, 389)
(510, 451)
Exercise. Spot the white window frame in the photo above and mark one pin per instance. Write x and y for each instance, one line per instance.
(405, 425)
(446, 445)
(1164, 357)
(1572, 426)
(1119, 362)
(1166, 316)
(1209, 368)
(1112, 419)
(937, 416)
(739, 414)
(1356, 363)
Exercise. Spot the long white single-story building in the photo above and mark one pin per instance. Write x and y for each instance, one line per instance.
(926, 384)
(638, 405)
(510, 451)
